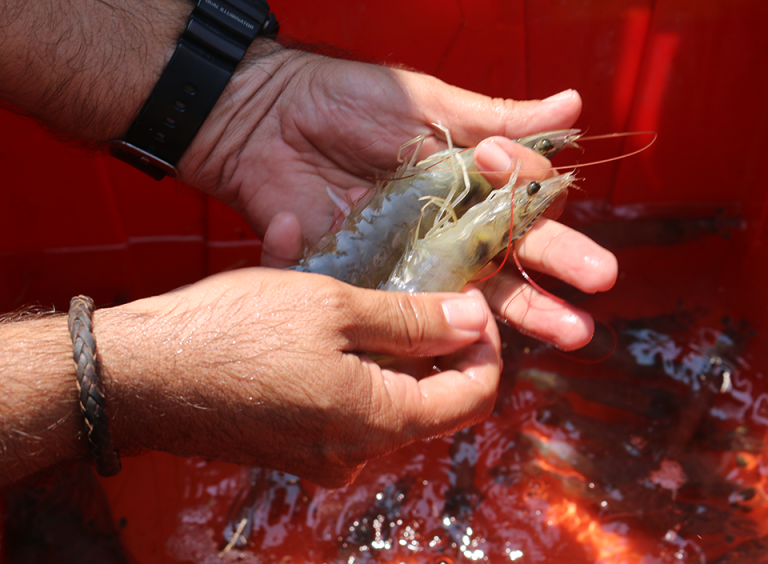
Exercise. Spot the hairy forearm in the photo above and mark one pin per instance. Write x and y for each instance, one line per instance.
(40, 422)
(153, 366)
(252, 367)
(86, 66)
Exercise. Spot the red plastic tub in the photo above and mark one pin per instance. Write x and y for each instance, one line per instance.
(687, 219)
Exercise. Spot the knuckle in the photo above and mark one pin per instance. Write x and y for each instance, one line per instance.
(412, 319)
(331, 301)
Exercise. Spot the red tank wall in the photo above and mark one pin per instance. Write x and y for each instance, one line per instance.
(695, 72)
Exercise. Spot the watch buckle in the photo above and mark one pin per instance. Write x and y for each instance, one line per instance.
(138, 158)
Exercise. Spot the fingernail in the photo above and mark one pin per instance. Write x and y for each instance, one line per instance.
(496, 158)
(560, 96)
(467, 313)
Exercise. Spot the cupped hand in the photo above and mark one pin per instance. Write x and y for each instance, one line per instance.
(260, 366)
(293, 125)
(549, 247)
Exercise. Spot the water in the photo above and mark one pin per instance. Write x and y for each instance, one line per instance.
(653, 455)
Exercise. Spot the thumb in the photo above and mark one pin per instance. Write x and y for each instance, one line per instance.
(400, 324)
(459, 393)
(282, 243)
(471, 117)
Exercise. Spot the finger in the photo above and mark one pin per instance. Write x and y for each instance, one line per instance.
(472, 117)
(549, 319)
(501, 154)
(460, 395)
(282, 244)
(400, 324)
(555, 249)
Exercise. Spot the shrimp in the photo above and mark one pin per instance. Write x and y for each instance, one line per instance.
(374, 237)
(453, 251)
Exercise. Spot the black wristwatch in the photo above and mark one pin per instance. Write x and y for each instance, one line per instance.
(216, 37)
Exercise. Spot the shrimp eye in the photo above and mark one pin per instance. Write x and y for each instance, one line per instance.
(544, 146)
(532, 188)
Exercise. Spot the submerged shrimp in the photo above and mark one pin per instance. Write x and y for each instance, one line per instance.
(454, 251)
(374, 237)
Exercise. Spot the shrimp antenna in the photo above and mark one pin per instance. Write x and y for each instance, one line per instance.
(511, 248)
(559, 300)
(618, 157)
(602, 161)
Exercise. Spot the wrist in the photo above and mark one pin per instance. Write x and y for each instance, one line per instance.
(213, 44)
(155, 401)
(133, 367)
(247, 111)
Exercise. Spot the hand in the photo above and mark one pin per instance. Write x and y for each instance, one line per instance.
(259, 366)
(293, 124)
(550, 248)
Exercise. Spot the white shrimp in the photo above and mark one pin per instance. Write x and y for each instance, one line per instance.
(453, 251)
(374, 237)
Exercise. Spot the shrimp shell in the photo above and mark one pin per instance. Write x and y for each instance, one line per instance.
(450, 255)
(372, 239)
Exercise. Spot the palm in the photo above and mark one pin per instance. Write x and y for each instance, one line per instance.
(331, 135)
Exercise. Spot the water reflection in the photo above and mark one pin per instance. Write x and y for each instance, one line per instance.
(655, 455)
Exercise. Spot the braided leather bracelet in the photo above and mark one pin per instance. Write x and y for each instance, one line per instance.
(92, 402)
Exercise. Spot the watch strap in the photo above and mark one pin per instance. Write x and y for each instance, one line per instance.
(215, 40)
